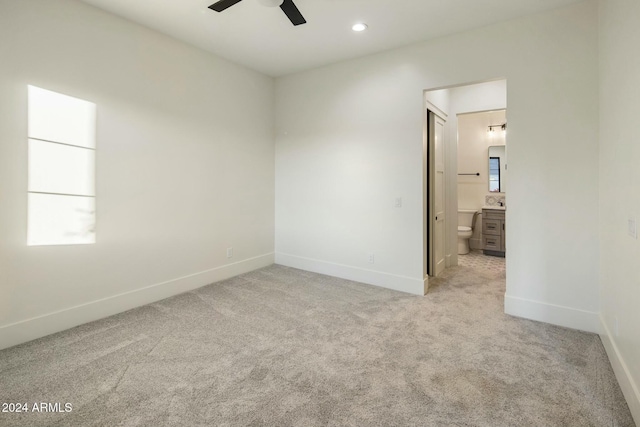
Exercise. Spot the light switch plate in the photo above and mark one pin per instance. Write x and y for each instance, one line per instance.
(633, 229)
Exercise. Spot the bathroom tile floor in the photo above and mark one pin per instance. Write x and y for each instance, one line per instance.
(479, 261)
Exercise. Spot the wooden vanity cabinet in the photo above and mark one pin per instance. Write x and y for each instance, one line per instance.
(493, 232)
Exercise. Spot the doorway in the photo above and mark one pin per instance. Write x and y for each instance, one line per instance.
(440, 166)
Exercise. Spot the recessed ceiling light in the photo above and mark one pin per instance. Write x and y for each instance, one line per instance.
(360, 26)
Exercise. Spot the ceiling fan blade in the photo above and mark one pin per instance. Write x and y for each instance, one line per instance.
(223, 4)
(292, 12)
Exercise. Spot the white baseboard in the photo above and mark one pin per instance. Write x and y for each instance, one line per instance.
(30, 329)
(370, 277)
(629, 387)
(554, 314)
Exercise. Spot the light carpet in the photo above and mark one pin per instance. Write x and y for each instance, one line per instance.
(285, 347)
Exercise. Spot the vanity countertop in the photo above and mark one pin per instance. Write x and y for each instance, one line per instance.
(497, 208)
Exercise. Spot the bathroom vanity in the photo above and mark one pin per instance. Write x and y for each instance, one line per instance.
(493, 230)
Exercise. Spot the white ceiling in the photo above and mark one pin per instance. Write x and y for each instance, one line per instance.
(262, 38)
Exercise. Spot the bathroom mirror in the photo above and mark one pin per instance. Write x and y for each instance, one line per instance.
(497, 169)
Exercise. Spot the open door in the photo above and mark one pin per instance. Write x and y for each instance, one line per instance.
(436, 224)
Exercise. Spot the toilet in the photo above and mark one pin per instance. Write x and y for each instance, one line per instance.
(466, 223)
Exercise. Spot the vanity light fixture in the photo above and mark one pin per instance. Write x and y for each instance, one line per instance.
(360, 26)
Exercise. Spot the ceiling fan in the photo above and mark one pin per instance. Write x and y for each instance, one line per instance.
(287, 6)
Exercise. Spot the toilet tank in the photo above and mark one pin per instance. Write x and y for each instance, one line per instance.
(465, 216)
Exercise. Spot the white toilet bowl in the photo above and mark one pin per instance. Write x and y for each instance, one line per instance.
(464, 234)
(466, 223)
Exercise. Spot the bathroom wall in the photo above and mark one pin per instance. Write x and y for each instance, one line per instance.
(474, 141)
(473, 145)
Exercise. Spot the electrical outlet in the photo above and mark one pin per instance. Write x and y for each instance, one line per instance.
(229, 252)
(398, 203)
(372, 258)
(633, 229)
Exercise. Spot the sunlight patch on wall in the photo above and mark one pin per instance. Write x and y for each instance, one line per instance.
(61, 199)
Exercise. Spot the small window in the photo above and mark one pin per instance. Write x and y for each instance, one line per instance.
(494, 174)
(61, 189)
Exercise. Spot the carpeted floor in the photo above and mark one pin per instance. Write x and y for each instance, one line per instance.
(284, 347)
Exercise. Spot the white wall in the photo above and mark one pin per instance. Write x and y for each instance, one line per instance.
(349, 141)
(185, 166)
(619, 201)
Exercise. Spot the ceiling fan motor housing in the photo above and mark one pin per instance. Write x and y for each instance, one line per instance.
(288, 7)
(271, 3)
